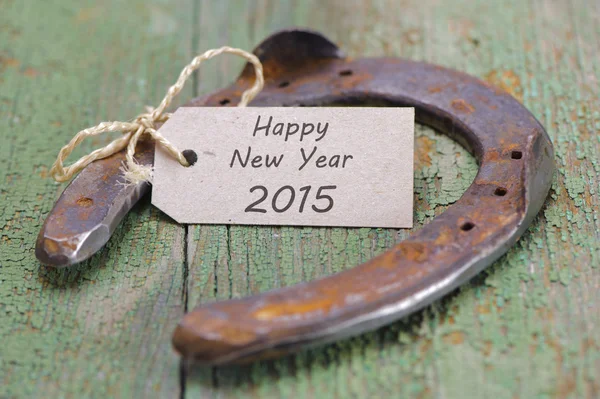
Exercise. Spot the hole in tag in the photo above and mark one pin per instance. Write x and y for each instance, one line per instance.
(224, 101)
(283, 84)
(346, 72)
(190, 156)
(516, 155)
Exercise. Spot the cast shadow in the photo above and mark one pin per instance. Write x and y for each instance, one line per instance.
(307, 361)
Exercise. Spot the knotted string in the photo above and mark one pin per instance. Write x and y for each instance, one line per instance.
(146, 124)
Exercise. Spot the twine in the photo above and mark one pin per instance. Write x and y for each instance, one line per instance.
(146, 124)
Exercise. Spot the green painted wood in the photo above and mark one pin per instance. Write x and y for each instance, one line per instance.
(102, 328)
(525, 328)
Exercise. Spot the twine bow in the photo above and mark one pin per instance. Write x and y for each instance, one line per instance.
(146, 124)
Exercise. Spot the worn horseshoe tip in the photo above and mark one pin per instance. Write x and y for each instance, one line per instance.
(90, 209)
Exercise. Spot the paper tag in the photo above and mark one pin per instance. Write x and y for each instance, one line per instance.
(301, 166)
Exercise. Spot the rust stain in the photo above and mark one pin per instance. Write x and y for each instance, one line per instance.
(567, 385)
(558, 54)
(506, 80)
(425, 346)
(71, 245)
(51, 245)
(9, 62)
(461, 105)
(85, 202)
(454, 338)
(270, 312)
(413, 251)
(486, 101)
(412, 36)
(30, 72)
(446, 235)
(487, 348)
(424, 147)
(483, 309)
(439, 88)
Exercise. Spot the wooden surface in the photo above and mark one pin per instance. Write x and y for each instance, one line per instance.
(528, 327)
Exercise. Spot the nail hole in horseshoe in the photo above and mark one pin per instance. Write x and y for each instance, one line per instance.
(190, 156)
(224, 101)
(283, 84)
(467, 226)
(516, 155)
(345, 72)
(500, 192)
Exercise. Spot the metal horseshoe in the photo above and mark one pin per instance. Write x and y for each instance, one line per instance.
(303, 68)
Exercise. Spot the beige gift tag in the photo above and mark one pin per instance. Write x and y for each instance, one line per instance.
(301, 166)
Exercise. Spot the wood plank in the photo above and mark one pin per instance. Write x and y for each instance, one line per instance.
(523, 328)
(101, 328)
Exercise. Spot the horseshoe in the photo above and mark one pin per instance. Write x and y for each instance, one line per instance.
(303, 68)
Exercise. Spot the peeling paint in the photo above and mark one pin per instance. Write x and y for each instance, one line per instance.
(525, 328)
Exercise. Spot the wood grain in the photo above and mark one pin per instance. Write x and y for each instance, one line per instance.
(102, 328)
(524, 328)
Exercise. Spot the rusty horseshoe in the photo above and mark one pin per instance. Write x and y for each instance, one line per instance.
(303, 68)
